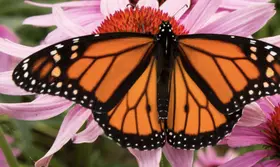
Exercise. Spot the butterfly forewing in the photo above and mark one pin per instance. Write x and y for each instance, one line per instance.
(232, 71)
(95, 71)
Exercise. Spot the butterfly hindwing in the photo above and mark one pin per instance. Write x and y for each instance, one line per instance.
(95, 71)
(134, 121)
(193, 121)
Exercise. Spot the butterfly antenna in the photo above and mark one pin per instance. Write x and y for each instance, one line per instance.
(180, 9)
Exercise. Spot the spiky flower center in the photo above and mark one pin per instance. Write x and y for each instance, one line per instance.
(142, 20)
(272, 131)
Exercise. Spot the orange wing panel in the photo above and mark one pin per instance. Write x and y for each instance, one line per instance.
(193, 113)
(139, 120)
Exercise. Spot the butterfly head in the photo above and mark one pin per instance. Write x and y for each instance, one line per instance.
(166, 31)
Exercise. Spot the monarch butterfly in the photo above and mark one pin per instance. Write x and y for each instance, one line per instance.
(144, 90)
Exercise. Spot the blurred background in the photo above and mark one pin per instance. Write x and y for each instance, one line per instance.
(35, 138)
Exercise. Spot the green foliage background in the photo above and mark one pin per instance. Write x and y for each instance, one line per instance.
(36, 137)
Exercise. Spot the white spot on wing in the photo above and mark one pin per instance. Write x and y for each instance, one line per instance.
(273, 53)
(58, 46)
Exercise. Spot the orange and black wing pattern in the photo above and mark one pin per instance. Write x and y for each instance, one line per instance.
(134, 122)
(213, 78)
(95, 71)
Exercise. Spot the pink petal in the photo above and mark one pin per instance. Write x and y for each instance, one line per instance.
(148, 3)
(175, 9)
(65, 24)
(6, 33)
(210, 153)
(269, 163)
(268, 104)
(41, 20)
(244, 136)
(273, 40)
(217, 16)
(243, 22)
(65, 4)
(230, 154)
(90, 134)
(202, 157)
(7, 85)
(197, 17)
(55, 36)
(109, 7)
(7, 62)
(243, 141)
(178, 157)
(39, 109)
(249, 159)
(252, 115)
(79, 15)
(72, 122)
(18, 50)
(239, 4)
(147, 158)
(275, 99)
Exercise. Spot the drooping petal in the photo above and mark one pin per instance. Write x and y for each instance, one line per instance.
(6, 33)
(7, 85)
(178, 157)
(239, 4)
(90, 134)
(65, 4)
(147, 158)
(268, 163)
(275, 99)
(41, 20)
(175, 9)
(81, 15)
(55, 36)
(72, 122)
(209, 157)
(148, 3)
(249, 159)
(243, 141)
(17, 50)
(108, 7)
(244, 136)
(7, 62)
(39, 109)
(275, 40)
(201, 158)
(235, 24)
(202, 11)
(268, 104)
(65, 23)
(252, 116)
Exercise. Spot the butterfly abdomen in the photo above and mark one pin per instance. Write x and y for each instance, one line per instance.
(163, 108)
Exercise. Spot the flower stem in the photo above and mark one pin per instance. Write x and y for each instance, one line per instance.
(12, 161)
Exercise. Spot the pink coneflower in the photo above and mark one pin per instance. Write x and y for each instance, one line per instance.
(85, 17)
(209, 158)
(264, 132)
(16, 152)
